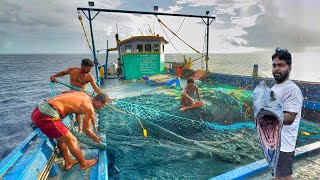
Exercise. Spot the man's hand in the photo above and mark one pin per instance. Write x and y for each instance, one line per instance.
(111, 99)
(96, 139)
(53, 79)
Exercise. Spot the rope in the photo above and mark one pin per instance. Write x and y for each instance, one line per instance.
(53, 93)
(170, 43)
(179, 27)
(84, 31)
(144, 131)
(177, 36)
(203, 49)
(75, 88)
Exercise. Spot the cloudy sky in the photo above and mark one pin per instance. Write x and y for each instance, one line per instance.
(43, 26)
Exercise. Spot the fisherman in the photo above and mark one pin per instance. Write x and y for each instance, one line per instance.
(188, 94)
(291, 97)
(48, 114)
(101, 74)
(79, 77)
(119, 69)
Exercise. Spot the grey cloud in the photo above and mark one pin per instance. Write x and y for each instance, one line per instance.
(271, 31)
(22, 14)
(253, 10)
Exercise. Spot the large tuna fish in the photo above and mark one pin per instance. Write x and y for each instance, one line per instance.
(268, 117)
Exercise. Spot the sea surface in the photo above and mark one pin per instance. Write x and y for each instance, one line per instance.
(25, 82)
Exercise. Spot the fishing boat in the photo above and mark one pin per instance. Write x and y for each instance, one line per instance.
(37, 157)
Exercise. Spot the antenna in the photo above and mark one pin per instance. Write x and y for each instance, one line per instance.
(117, 28)
(154, 33)
(150, 30)
(141, 31)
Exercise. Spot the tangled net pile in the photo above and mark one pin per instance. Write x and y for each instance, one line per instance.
(198, 143)
(195, 144)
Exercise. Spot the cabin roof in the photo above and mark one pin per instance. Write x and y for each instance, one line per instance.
(134, 38)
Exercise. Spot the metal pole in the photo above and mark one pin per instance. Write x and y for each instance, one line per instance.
(106, 65)
(141, 12)
(94, 49)
(207, 53)
(149, 13)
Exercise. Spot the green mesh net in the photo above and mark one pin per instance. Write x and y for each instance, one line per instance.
(195, 144)
(198, 143)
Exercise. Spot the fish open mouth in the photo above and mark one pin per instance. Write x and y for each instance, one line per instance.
(268, 126)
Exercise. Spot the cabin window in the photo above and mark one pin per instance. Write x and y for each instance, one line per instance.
(147, 48)
(139, 47)
(128, 48)
(156, 48)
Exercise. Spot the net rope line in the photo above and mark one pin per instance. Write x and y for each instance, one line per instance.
(159, 20)
(208, 146)
(84, 31)
(174, 56)
(155, 115)
(161, 23)
(118, 110)
(196, 124)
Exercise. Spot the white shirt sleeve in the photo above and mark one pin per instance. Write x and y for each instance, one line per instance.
(292, 101)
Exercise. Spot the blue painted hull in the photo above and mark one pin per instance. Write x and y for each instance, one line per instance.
(35, 157)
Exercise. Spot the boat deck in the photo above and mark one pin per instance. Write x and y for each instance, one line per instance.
(304, 168)
(74, 172)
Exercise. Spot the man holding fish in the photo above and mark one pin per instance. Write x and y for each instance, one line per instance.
(277, 116)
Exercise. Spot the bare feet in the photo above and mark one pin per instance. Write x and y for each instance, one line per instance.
(183, 108)
(88, 163)
(186, 107)
(196, 105)
(70, 164)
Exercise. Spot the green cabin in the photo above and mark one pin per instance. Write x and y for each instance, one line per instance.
(142, 56)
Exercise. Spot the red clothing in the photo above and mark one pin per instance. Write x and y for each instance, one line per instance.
(51, 128)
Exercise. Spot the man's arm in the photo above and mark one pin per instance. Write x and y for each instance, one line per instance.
(292, 106)
(61, 73)
(289, 117)
(88, 116)
(94, 85)
(94, 124)
(198, 93)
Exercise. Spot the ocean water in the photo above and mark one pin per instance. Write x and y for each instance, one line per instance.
(25, 82)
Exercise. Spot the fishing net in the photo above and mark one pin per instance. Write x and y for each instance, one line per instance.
(195, 144)
(198, 143)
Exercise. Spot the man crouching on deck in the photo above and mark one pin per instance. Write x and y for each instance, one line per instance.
(48, 114)
(188, 95)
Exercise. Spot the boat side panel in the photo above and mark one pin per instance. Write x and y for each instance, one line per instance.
(17, 152)
(35, 157)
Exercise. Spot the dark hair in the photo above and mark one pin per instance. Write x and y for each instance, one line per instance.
(102, 97)
(190, 80)
(282, 54)
(87, 62)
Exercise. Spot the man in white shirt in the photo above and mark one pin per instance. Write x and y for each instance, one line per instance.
(291, 96)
